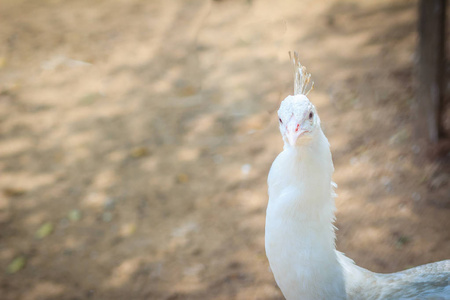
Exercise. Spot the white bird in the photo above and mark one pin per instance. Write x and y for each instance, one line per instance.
(300, 237)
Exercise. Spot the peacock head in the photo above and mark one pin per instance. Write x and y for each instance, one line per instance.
(297, 115)
(298, 120)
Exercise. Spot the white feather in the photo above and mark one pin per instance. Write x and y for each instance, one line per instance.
(300, 237)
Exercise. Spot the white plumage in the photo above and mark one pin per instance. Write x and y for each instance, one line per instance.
(300, 237)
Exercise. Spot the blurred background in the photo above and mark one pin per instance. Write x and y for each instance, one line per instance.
(136, 137)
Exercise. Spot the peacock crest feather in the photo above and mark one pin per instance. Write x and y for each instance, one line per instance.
(302, 79)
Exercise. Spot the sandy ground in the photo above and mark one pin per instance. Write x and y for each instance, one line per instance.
(136, 138)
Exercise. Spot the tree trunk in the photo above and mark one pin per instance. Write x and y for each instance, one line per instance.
(430, 100)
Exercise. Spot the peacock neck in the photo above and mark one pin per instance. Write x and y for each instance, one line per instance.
(312, 173)
(299, 223)
(307, 169)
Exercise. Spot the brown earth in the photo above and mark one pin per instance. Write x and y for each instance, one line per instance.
(137, 136)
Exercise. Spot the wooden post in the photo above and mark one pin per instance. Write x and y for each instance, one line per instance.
(431, 69)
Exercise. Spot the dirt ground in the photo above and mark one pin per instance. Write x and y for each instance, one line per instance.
(136, 138)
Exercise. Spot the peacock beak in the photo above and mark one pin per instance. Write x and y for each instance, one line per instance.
(293, 136)
(293, 132)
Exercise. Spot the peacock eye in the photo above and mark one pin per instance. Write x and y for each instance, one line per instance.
(311, 115)
(279, 119)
